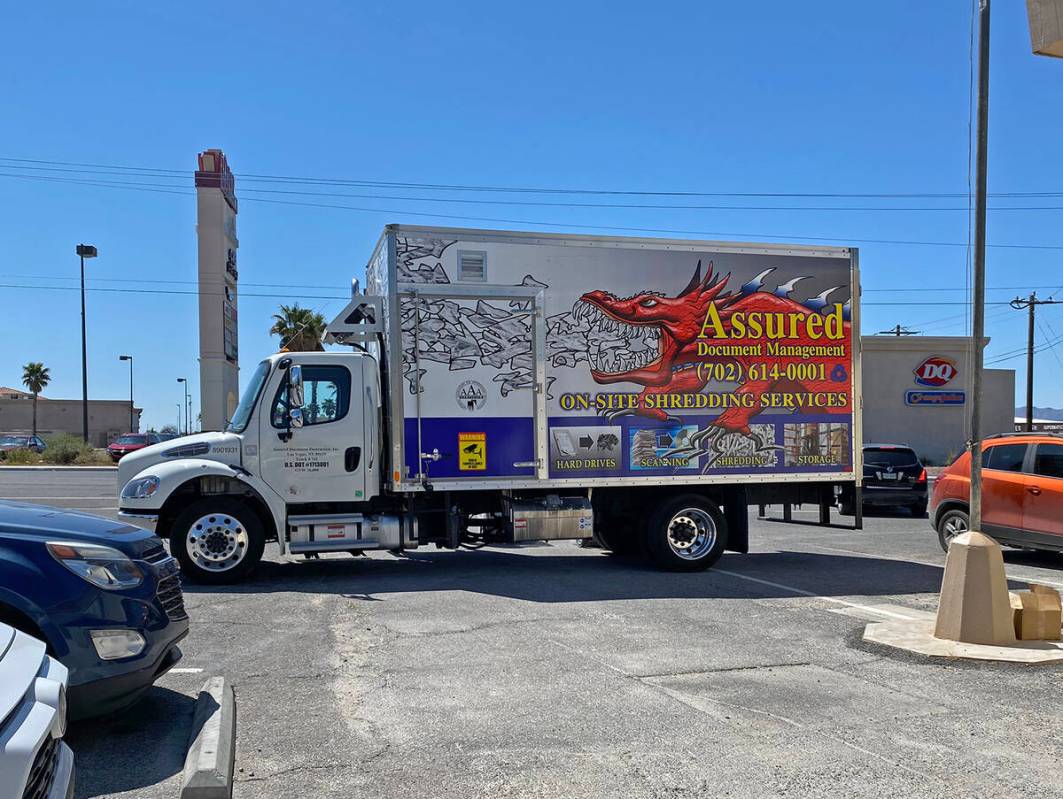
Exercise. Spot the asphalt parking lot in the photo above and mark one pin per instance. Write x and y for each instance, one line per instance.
(553, 670)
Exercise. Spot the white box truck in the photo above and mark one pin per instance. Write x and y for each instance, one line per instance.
(494, 387)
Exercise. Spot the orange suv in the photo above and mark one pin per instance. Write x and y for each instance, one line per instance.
(1022, 492)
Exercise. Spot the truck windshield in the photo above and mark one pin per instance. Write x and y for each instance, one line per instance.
(247, 402)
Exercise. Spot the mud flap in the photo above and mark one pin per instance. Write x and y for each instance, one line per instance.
(736, 514)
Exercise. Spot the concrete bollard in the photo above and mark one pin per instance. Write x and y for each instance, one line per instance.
(975, 607)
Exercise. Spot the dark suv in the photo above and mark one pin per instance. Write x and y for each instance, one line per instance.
(893, 478)
(104, 596)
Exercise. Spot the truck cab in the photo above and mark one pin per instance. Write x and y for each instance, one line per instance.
(299, 463)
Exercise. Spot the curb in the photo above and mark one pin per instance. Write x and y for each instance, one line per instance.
(208, 772)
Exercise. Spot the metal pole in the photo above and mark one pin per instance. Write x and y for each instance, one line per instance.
(131, 430)
(978, 321)
(1029, 364)
(84, 363)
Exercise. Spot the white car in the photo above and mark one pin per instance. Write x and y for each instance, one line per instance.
(34, 761)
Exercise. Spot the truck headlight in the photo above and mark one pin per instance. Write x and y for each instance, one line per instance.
(102, 566)
(117, 644)
(141, 488)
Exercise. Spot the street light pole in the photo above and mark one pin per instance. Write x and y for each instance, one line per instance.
(130, 359)
(184, 387)
(84, 251)
(978, 314)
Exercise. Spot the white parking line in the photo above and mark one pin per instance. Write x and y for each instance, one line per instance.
(186, 671)
(1017, 578)
(802, 592)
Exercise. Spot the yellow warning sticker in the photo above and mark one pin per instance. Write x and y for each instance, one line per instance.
(472, 452)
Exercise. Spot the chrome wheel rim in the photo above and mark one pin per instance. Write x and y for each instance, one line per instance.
(952, 527)
(691, 533)
(217, 542)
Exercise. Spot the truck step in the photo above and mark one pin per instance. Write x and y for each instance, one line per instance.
(335, 545)
(326, 518)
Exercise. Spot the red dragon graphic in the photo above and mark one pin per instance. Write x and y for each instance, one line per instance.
(679, 322)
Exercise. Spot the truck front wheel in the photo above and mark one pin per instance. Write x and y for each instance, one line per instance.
(687, 533)
(217, 541)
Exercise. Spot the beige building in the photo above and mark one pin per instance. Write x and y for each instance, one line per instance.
(108, 419)
(917, 391)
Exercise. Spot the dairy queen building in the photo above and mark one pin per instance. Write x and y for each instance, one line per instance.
(917, 391)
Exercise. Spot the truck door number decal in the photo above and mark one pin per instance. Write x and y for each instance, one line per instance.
(472, 452)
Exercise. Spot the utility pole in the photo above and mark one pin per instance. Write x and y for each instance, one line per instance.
(898, 331)
(978, 311)
(1031, 304)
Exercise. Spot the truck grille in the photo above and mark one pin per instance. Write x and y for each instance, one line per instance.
(42, 775)
(171, 597)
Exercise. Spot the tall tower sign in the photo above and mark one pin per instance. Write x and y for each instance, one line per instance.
(219, 366)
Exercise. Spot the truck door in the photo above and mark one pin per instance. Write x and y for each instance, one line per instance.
(474, 378)
(325, 460)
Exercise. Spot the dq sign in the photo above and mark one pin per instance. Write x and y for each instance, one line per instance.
(935, 371)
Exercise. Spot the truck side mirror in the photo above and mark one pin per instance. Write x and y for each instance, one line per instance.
(295, 389)
(295, 418)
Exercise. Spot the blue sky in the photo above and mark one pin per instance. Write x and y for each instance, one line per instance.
(824, 97)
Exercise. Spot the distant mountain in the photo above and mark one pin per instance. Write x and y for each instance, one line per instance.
(1054, 414)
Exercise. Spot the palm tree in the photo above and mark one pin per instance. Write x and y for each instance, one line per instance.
(35, 377)
(300, 329)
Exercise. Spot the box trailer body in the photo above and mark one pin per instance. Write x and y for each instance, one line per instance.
(504, 386)
(529, 360)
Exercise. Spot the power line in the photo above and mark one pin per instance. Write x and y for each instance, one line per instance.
(347, 296)
(555, 224)
(537, 203)
(524, 189)
(341, 287)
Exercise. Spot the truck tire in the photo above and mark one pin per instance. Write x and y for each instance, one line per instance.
(687, 533)
(950, 524)
(217, 541)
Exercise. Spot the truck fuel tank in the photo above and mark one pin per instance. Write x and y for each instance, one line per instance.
(550, 518)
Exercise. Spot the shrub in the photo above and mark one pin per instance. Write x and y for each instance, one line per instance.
(93, 457)
(64, 449)
(20, 457)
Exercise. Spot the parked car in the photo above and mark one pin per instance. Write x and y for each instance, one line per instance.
(130, 442)
(1022, 492)
(15, 441)
(894, 477)
(34, 761)
(105, 597)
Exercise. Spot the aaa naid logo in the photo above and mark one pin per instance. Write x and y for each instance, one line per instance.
(935, 371)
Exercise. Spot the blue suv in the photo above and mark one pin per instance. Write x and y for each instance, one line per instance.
(104, 596)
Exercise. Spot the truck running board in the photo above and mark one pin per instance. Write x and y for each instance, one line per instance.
(338, 545)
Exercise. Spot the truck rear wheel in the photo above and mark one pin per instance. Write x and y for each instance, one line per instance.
(217, 541)
(687, 533)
